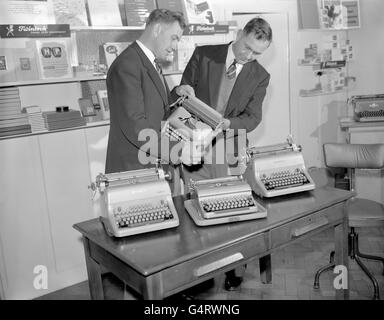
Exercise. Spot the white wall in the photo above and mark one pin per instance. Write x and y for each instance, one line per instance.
(369, 44)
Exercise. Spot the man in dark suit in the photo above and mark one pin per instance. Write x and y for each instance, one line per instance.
(139, 96)
(229, 79)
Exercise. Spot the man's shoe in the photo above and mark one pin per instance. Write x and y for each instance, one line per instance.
(232, 282)
(190, 293)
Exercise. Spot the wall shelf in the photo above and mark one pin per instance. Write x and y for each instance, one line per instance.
(89, 28)
(36, 133)
(51, 81)
(312, 93)
(350, 82)
(318, 64)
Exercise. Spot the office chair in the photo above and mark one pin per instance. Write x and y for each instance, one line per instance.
(361, 212)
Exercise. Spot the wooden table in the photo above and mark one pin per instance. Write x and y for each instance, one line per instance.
(162, 263)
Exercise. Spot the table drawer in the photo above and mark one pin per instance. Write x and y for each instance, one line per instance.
(301, 227)
(208, 265)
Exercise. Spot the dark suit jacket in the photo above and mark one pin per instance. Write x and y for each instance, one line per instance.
(137, 100)
(203, 73)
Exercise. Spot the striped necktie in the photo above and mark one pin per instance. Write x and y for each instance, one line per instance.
(160, 72)
(231, 71)
(161, 75)
(158, 68)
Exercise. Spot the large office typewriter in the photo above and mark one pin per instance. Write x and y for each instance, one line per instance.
(136, 201)
(277, 170)
(192, 119)
(223, 200)
(368, 107)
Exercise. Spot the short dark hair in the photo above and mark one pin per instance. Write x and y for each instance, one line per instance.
(166, 16)
(260, 28)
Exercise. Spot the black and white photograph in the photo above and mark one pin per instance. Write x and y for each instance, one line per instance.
(192, 172)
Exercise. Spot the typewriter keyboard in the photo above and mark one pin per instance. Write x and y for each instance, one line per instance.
(227, 203)
(284, 179)
(142, 214)
(371, 115)
(176, 134)
(367, 114)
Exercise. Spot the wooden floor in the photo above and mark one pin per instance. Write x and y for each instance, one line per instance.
(293, 273)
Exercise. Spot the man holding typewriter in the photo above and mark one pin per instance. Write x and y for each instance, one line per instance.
(139, 96)
(229, 79)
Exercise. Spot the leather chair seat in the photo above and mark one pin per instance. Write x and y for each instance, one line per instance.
(365, 213)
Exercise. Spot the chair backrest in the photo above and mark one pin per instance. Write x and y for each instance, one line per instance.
(359, 156)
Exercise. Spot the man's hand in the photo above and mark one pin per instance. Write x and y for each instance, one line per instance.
(226, 124)
(185, 90)
(191, 153)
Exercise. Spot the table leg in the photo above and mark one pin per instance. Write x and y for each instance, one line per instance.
(94, 274)
(265, 267)
(341, 254)
(153, 288)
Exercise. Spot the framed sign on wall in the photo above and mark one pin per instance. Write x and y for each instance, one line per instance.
(329, 14)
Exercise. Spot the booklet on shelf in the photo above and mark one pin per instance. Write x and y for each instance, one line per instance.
(112, 50)
(53, 58)
(25, 64)
(104, 13)
(26, 12)
(7, 65)
(195, 11)
(72, 12)
(137, 11)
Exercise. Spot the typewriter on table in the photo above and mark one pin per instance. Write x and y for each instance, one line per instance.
(277, 170)
(136, 201)
(192, 119)
(222, 200)
(368, 107)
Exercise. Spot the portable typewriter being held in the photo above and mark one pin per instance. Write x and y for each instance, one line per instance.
(277, 170)
(192, 119)
(136, 201)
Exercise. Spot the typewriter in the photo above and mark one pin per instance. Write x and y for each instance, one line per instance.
(277, 170)
(223, 200)
(136, 201)
(368, 107)
(192, 119)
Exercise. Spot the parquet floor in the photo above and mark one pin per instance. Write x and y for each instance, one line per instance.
(292, 279)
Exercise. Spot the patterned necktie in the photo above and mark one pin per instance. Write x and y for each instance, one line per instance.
(231, 72)
(158, 67)
(160, 72)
